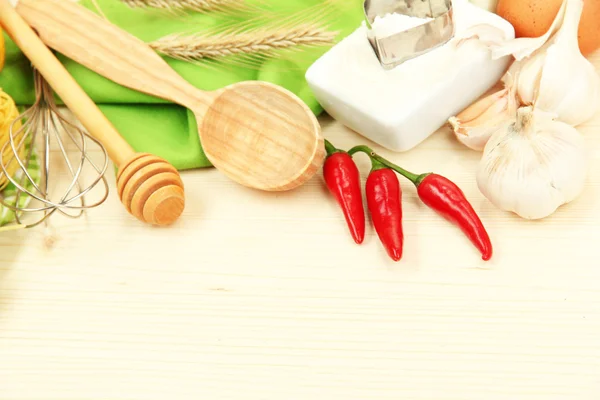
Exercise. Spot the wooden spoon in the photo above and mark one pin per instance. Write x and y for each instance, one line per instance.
(149, 187)
(259, 134)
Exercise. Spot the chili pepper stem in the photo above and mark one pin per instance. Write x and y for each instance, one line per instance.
(414, 178)
(376, 165)
(330, 148)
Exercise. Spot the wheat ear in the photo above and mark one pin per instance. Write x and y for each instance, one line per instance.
(196, 47)
(189, 5)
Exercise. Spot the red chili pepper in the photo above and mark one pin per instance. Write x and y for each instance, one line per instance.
(343, 180)
(443, 196)
(384, 199)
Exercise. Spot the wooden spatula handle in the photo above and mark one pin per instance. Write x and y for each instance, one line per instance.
(108, 50)
(153, 187)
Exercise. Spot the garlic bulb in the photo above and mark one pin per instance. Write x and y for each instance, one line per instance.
(552, 73)
(533, 167)
(474, 126)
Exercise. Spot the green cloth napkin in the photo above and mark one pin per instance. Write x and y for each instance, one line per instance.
(153, 125)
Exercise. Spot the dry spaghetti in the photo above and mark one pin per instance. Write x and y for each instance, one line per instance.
(8, 114)
(2, 50)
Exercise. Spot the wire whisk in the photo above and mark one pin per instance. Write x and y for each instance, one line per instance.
(58, 146)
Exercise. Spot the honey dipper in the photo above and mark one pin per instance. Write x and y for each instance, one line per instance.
(149, 187)
(259, 134)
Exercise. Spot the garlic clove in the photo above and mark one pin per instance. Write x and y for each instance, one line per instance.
(528, 77)
(478, 108)
(477, 123)
(474, 126)
(476, 137)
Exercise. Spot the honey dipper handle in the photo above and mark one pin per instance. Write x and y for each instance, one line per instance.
(106, 49)
(63, 84)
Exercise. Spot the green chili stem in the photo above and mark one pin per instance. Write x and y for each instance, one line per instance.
(375, 165)
(330, 148)
(414, 178)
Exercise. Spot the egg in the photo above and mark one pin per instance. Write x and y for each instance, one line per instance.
(532, 18)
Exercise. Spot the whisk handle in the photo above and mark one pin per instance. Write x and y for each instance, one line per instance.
(64, 84)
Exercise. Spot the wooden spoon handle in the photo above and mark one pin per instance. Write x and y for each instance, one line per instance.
(108, 50)
(155, 191)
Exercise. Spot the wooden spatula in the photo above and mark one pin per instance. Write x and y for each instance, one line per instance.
(259, 134)
(149, 187)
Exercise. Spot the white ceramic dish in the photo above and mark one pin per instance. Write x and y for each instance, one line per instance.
(400, 108)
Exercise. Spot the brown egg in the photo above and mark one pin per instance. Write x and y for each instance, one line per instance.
(532, 18)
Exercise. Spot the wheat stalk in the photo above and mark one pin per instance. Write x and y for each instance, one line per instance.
(262, 34)
(196, 47)
(189, 5)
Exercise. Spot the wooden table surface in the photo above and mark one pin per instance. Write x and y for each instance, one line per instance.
(265, 296)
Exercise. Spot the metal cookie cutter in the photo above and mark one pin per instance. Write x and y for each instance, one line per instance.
(400, 45)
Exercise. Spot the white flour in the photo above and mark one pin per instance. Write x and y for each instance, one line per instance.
(391, 24)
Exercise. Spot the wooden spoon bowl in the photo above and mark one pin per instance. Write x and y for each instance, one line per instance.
(276, 141)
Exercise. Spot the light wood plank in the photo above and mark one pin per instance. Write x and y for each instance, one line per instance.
(265, 296)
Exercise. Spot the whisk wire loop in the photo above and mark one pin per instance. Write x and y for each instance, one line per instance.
(62, 143)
